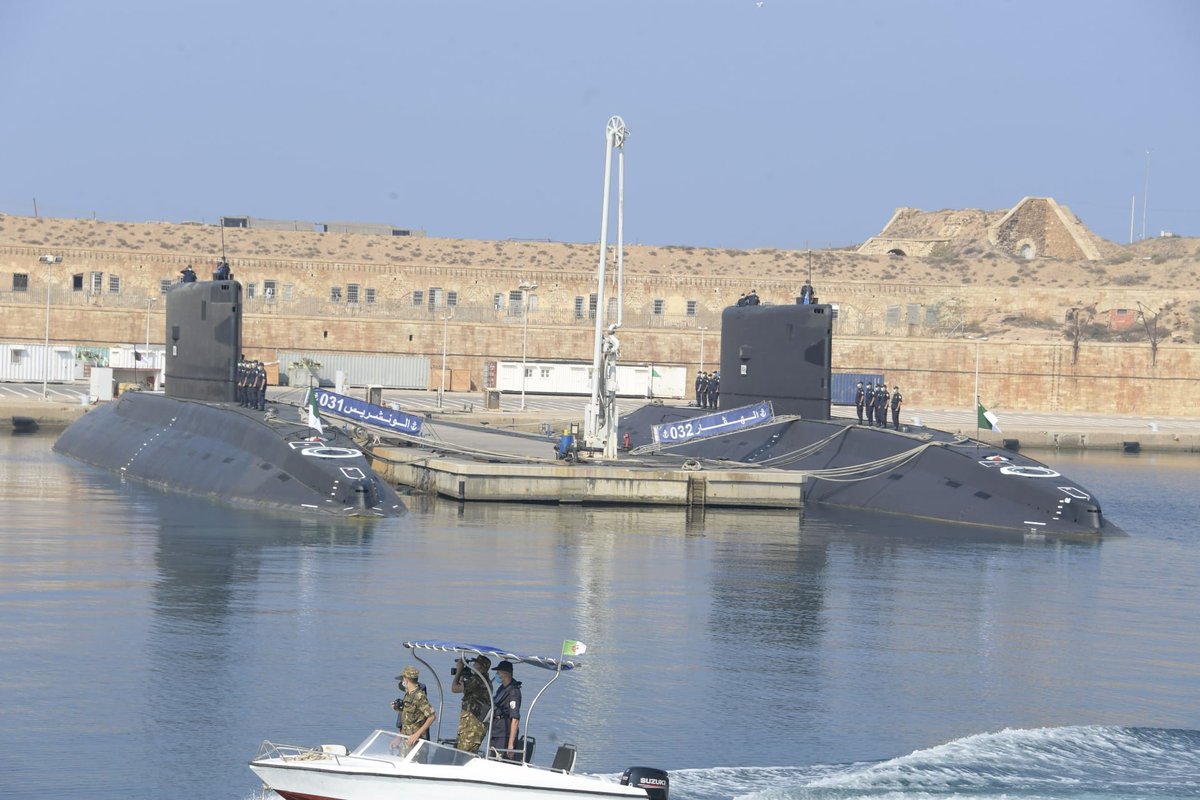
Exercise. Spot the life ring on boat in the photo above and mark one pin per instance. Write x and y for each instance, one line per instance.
(692, 465)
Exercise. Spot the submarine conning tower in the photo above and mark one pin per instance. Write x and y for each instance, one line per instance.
(778, 353)
(204, 340)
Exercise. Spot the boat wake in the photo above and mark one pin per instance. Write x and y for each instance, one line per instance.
(1079, 763)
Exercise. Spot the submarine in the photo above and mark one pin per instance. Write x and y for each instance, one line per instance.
(196, 439)
(777, 360)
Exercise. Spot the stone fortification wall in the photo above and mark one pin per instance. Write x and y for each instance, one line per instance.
(907, 316)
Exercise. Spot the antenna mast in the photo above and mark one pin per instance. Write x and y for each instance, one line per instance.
(600, 418)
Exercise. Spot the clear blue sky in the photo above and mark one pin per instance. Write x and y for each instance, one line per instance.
(751, 126)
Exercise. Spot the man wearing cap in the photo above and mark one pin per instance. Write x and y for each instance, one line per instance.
(507, 713)
(896, 401)
(416, 714)
(472, 720)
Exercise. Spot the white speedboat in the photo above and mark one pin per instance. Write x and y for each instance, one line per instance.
(382, 768)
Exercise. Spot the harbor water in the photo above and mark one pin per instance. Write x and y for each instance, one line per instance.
(149, 642)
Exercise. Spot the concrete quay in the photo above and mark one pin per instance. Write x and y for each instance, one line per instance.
(516, 467)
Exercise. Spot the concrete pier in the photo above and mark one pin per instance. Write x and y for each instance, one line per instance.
(461, 478)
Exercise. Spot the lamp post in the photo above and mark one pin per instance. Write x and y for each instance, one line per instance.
(46, 346)
(702, 329)
(146, 353)
(525, 287)
(445, 335)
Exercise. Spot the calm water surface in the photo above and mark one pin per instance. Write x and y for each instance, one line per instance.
(149, 642)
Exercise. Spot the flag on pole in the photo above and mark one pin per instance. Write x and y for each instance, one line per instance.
(573, 648)
(314, 411)
(987, 419)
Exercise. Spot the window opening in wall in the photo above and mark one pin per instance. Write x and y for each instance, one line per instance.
(251, 291)
(97, 282)
(451, 298)
(658, 307)
(691, 308)
(352, 293)
(497, 299)
(533, 303)
(14, 356)
(77, 282)
(591, 306)
(164, 285)
(335, 294)
(436, 297)
(579, 308)
(270, 290)
(114, 284)
(515, 299)
(545, 372)
(612, 309)
(20, 281)
(370, 296)
(418, 298)
(288, 290)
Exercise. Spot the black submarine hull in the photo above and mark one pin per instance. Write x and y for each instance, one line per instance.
(783, 354)
(918, 472)
(195, 439)
(217, 451)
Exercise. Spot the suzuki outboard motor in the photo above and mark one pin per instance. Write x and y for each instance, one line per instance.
(653, 781)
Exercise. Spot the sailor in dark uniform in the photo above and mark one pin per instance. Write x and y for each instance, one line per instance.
(752, 298)
(869, 402)
(260, 386)
(881, 404)
(699, 384)
(189, 274)
(806, 293)
(858, 401)
(237, 380)
(896, 401)
(222, 272)
(702, 391)
(714, 389)
(741, 299)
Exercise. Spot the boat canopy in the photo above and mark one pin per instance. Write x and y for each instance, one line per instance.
(554, 663)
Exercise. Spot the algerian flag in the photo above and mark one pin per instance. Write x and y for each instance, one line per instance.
(314, 411)
(573, 648)
(987, 419)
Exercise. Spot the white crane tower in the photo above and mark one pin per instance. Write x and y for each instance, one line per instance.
(600, 418)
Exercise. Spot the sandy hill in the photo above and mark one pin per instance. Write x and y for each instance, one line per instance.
(1172, 263)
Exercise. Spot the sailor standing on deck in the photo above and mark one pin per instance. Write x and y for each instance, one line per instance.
(896, 401)
(858, 401)
(714, 389)
(869, 402)
(416, 714)
(881, 404)
(507, 714)
(476, 701)
(699, 383)
(260, 386)
(243, 369)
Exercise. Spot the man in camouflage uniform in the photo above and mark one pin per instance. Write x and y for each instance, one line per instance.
(477, 702)
(416, 714)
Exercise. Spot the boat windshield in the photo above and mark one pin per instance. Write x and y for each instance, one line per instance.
(391, 745)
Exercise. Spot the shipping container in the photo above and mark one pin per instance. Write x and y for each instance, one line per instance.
(391, 372)
(844, 385)
(575, 378)
(28, 362)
